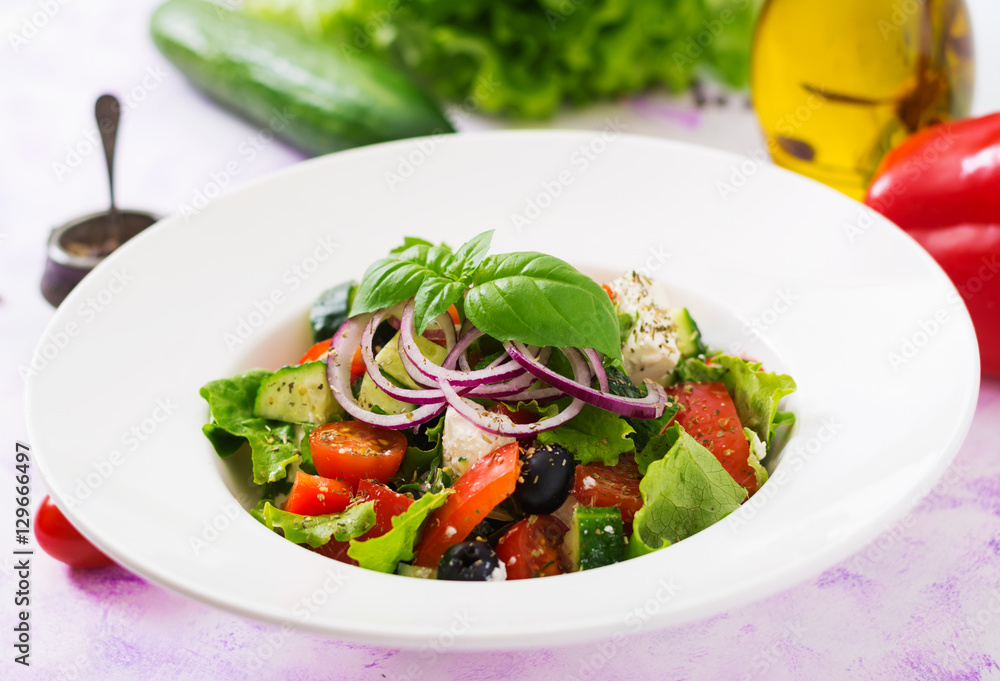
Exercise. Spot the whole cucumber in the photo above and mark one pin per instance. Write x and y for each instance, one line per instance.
(312, 94)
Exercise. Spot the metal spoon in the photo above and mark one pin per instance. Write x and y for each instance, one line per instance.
(107, 111)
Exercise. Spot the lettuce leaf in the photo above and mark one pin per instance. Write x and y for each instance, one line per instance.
(644, 429)
(383, 553)
(684, 492)
(527, 59)
(593, 435)
(318, 530)
(273, 444)
(755, 393)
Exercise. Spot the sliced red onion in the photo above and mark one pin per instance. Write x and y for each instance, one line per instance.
(500, 425)
(410, 396)
(426, 372)
(597, 366)
(536, 394)
(649, 407)
(338, 374)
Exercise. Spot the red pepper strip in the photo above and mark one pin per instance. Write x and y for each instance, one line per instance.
(942, 186)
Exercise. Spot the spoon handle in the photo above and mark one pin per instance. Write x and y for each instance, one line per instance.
(107, 111)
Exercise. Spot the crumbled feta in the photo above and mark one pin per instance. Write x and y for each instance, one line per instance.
(450, 532)
(609, 529)
(759, 449)
(499, 573)
(650, 350)
(589, 482)
(463, 444)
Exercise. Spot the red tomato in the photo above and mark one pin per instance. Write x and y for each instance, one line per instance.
(316, 351)
(609, 291)
(709, 416)
(358, 368)
(62, 541)
(488, 482)
(387, 505)
(531, 548)
(316, 495)
(518, 416)
(597, 485)
(354, 450)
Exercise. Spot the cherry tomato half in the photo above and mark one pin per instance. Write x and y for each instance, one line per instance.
(488, 482)
(709, 416)
(355, 450)
(387, 505)
(62, 541)
(531, 548)
(316, 495)
(597, 485)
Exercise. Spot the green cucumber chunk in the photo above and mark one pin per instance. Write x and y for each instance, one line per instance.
(596, 537)
(308, 91)
(688, 334)
(298, 394)
(392, 366)
(331, 310)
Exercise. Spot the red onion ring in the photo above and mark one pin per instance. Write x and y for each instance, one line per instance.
(338, 375)
(426, 372)
(497, 424)
(649, 407)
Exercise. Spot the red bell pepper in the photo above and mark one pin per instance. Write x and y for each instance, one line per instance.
(942, 186)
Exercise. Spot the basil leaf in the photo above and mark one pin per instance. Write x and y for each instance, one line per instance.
(434, 297)
(392, 280)
(472, 252)
(541, 300)
(409, 241)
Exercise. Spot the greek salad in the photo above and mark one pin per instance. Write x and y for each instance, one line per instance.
(474, 417)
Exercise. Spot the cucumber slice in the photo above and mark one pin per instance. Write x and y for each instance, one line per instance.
(688, 335)
(331, 310)
(595, 538)
(408, 570)
(298, 394)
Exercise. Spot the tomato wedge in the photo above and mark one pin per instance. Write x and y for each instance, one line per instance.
(355, 450)
(488, 482)
(597, 485)
(387, 505)
(531, 548)
(316, 495)
(709, 416)
(316, 351)
(62, 541)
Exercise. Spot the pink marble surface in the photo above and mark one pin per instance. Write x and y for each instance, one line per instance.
(919, 603)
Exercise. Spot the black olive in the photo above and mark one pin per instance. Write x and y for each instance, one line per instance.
(469, 561)
(546, 478)
(490, 530)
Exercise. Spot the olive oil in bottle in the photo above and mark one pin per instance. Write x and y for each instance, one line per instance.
(837, 83)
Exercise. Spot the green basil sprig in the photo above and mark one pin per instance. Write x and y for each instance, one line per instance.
(529, 297)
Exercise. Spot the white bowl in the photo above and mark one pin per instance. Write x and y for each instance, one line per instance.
(779, 268)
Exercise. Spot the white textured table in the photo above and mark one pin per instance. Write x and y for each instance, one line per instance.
(920, 603)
